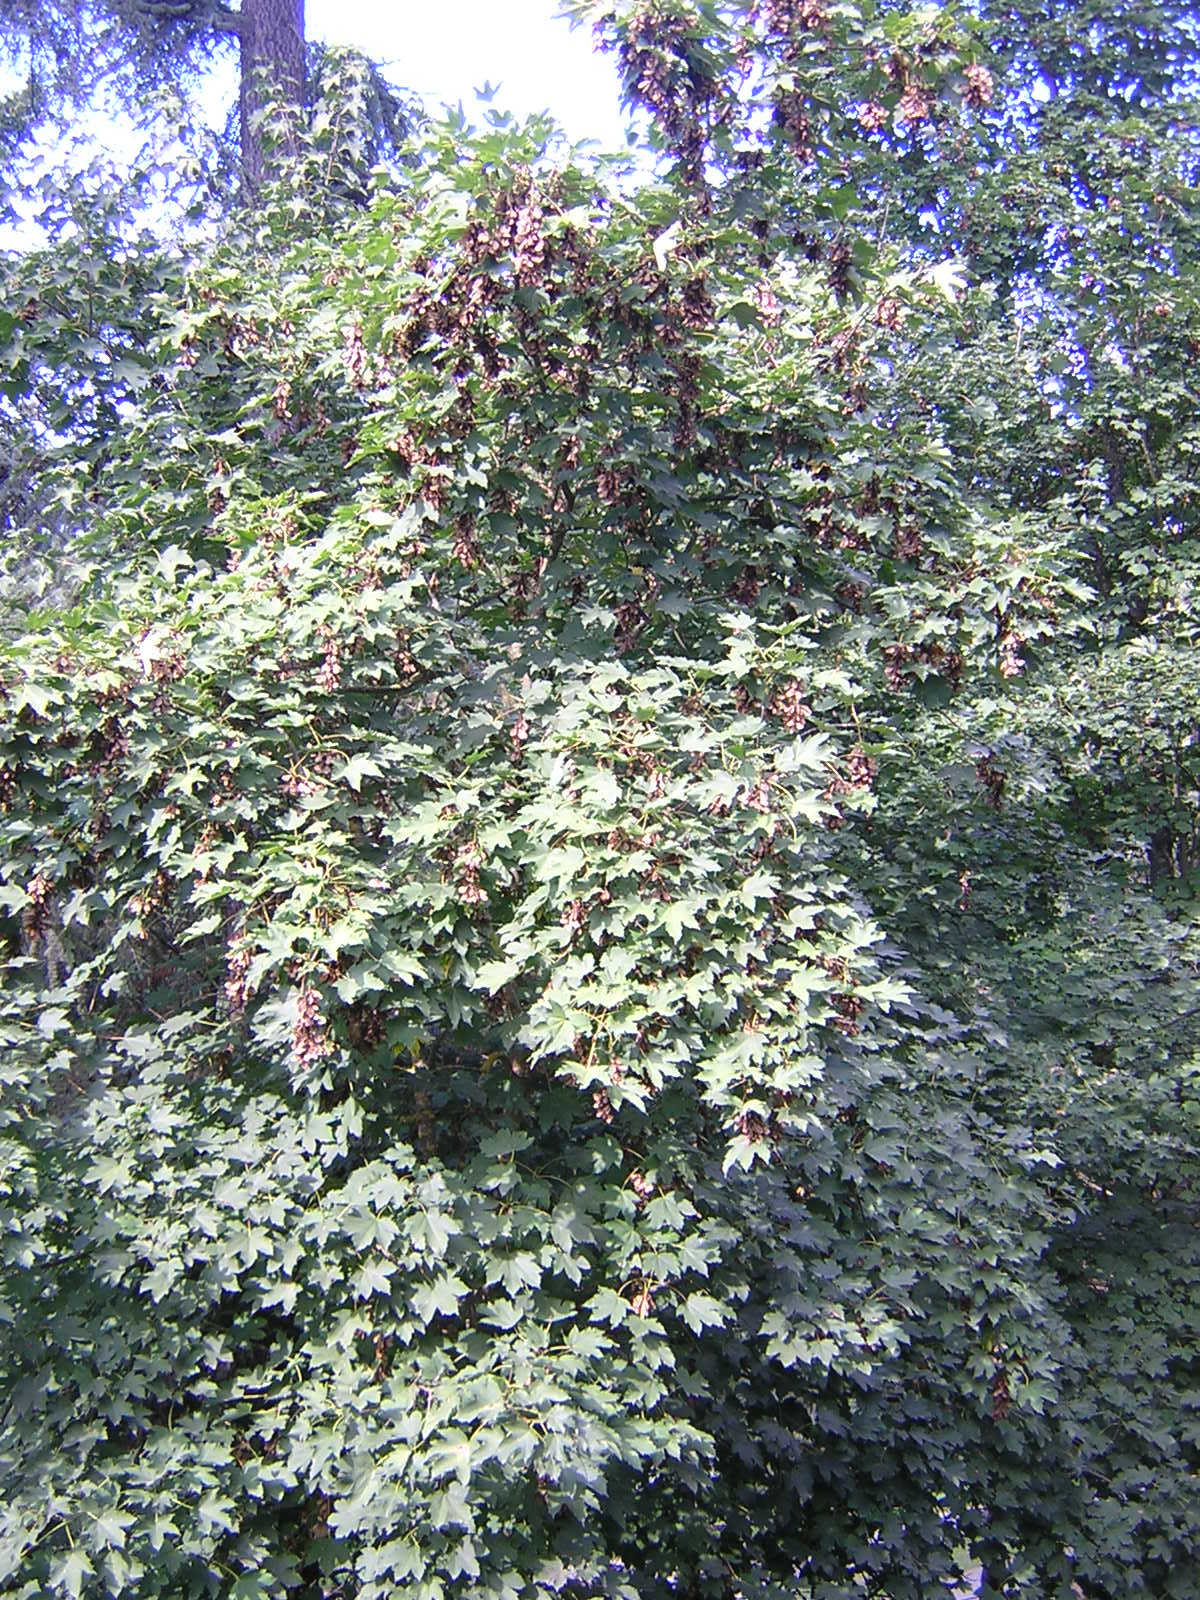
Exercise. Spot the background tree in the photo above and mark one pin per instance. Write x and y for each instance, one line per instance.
(69, 50)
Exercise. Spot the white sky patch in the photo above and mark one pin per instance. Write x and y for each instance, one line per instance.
(446, 50)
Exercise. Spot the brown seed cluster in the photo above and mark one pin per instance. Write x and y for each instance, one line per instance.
(897, 658)
(757, 797)
(889, 313)
(746, 586)
(518, 737)
(840, 261)
(468, 862)
(630, 619)
(752, 1126)
(145, 902)
(1001, 1396)
(642, 1302)
(696, 307)
(858, 774)
(849, 1008)
(113, 742)
(767, 305)
(365, 1026)
(237, 967)
(329, 675)
(529, 243)
(860, 769)
(167, 668)
(297, 785)
(789, 705)
(872, 117)
(466, 550)
(641, 1185)
(980, 87)
(794, 124)
(310, 1038)
(36, 915)
(909, 546)
(915, 105)
(458, 313)
(786, 18)
(669, 76)
(993, 779)
(687, 394)
(354, 357)
(1012, 663)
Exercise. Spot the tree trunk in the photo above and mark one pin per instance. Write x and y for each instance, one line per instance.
(272, 42)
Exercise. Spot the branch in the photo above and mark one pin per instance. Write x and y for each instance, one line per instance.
(223, 20)
(214, 13)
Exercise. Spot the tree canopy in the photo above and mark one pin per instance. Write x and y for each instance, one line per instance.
(599, 826)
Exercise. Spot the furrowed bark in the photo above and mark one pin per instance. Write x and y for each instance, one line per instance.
(272, 42)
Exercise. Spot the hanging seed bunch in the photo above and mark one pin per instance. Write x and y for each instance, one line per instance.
(310, 1038)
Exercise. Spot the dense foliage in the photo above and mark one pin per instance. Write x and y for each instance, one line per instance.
(600, 845)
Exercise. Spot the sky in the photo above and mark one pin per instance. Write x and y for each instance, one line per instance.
(445, 49)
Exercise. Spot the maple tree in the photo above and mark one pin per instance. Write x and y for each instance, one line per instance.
(600, 838)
